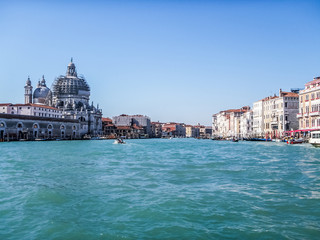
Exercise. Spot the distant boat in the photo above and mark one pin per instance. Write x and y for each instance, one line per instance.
(260, 139)
(119, 141)
(295, 141)
(315, 139)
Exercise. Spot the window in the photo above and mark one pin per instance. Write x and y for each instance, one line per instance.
(285, 104)
(313, 122)
(307, 123)
(307, 97)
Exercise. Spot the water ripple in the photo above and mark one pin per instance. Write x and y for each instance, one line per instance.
(159, 189)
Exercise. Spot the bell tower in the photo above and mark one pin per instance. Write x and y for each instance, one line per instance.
(28, 92)
(71, 70)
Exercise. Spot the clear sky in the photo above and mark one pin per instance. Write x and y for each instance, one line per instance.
(170, 60)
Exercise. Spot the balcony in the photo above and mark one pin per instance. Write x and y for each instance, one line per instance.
(306, 114)
(299, 115)
(316, 113)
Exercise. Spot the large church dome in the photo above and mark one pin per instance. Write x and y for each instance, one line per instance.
(70, 88)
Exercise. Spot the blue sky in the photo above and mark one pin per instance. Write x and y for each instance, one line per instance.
(171, 60)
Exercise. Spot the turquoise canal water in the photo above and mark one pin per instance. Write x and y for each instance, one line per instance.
(159, 189)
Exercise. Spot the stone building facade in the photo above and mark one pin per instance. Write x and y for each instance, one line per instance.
(135, 122)
(227, 123)
(275, 115)
(309, 106)
(22, 127)
(70, 94)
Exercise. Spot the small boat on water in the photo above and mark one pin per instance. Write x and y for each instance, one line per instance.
(260, 139)
(295, 141)
(315, 139)
(119, 141)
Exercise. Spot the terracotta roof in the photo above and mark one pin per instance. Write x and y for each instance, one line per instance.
(106, 120)
(268, 98)
(290, 94)
(123, 127)
(109, 125)
(314, 81)
(5, 104)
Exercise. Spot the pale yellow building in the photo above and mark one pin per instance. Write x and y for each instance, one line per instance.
(309, 106)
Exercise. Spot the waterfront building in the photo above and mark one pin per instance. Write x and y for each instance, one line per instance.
(24, 127)
(246, 124)
(227, 123)
(192, 131)
(109, 129)
(70, 94)
(173, 130)
(135, 122)
(156, 129)
(275, 115)
(31, 109)
(309, 106)
(258, 117)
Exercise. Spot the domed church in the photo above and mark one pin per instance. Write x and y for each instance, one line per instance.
(71, 95)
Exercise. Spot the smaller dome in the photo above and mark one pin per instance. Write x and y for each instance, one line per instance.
(40, 94)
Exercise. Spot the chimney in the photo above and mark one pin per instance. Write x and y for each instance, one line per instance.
(280, 92)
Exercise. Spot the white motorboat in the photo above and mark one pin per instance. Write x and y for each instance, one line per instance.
(119, 141)
(315, 139)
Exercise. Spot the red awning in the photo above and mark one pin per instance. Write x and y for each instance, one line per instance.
(303, 130)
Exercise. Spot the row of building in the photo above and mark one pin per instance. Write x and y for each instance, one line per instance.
(139, 126)
(64, 112)
(294, 113)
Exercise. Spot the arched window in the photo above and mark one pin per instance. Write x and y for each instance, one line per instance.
(50, 126)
